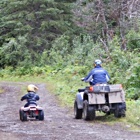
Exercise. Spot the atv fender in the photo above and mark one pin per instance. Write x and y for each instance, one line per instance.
(39, 108)
(79, 100)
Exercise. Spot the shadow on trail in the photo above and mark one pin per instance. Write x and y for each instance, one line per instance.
(107, 118)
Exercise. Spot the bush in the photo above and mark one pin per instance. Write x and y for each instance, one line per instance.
(133, 40)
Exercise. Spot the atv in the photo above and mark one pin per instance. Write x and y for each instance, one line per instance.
(109, 99)
(31, 112)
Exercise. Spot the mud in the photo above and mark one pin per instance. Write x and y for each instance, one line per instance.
(59, 123)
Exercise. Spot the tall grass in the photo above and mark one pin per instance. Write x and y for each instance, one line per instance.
(133, 112)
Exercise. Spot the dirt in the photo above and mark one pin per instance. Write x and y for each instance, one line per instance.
(59, 122)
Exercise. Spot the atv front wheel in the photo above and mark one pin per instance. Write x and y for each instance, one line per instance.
(77, 112)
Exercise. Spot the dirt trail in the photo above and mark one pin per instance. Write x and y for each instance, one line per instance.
(59, 123)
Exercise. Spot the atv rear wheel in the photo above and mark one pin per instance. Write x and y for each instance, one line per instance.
(119, 112)
(77, 112)
(88, 111)
(20, 114)
(41, 115)
(23, 115)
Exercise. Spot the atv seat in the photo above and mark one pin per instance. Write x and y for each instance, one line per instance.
(81, 90)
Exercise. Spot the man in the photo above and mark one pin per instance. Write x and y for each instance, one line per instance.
(98, 75)
(31, 96)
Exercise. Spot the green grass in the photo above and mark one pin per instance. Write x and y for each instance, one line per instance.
(133, 112)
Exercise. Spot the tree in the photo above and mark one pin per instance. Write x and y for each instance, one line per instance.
(105, 18)
(40, 22)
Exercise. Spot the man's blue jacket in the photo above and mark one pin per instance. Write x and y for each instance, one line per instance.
(97, 75)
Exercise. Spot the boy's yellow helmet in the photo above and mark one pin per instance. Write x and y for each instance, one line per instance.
(32, 88)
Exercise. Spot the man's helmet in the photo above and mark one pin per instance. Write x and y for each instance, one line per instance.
(32, 88)
(98, 62)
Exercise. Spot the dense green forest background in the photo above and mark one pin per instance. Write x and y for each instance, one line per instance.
(65, 36)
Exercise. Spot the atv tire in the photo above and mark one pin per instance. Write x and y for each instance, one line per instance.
(88, 111)
(77, 112)
(119, 112)
(41, 115)
(23, 115)
(20, 114)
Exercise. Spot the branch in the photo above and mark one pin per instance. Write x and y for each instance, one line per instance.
(105, 47)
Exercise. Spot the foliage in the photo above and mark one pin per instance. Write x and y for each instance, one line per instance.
(37, 22)
(133, 114)
(133, 79)
(106, 18)
(82, 50)
(12, 51)
(133, 40)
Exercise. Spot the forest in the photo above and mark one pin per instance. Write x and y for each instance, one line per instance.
(64, 37)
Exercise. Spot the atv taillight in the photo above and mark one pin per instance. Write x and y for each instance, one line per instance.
(36, 112)
(91, 88)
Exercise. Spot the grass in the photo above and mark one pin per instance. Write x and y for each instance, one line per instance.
(133, 112)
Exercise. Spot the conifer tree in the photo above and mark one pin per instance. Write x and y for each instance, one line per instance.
(39, 22)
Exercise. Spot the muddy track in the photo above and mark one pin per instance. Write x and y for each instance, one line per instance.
(59, 123)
